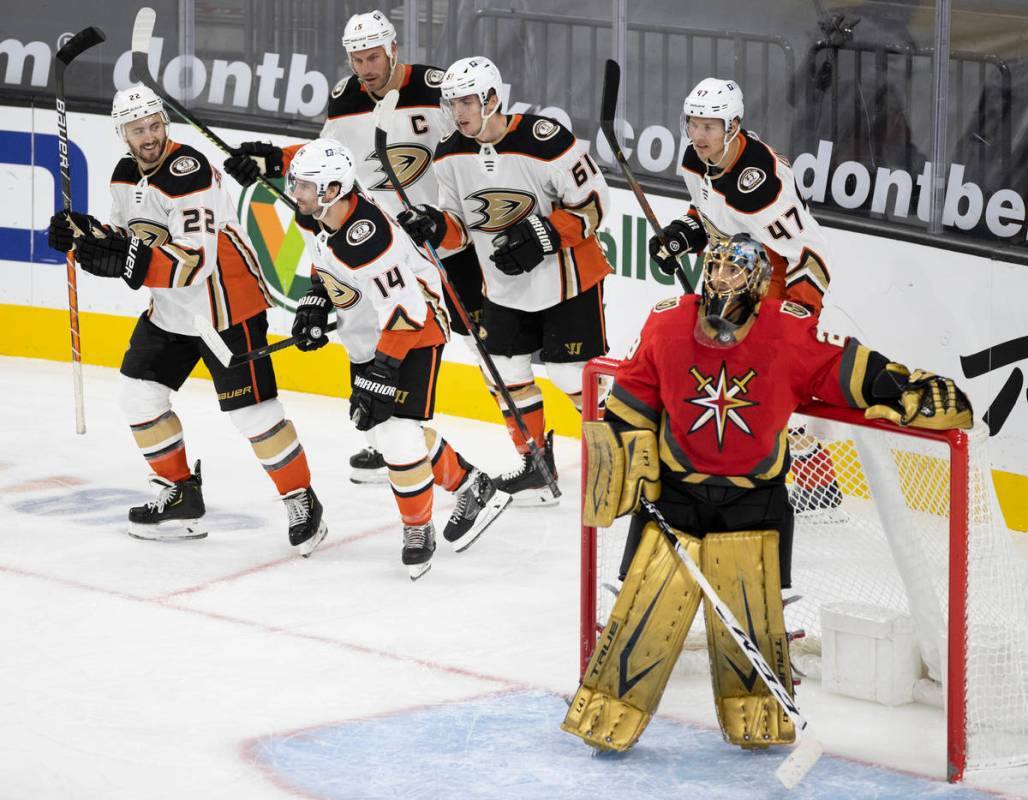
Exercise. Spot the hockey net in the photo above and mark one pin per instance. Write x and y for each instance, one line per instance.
(913, 527)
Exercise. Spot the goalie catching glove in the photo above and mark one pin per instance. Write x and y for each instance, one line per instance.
(374, 393)
(523, 246)
(114, 256)
(685, 235)
(622, 467)
(919, 399)
(251, 160)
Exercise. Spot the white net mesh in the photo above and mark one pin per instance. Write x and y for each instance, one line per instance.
(873, 527)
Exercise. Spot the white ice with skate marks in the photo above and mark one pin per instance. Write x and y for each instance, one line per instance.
(147, 669)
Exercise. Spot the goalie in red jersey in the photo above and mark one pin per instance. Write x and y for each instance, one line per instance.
(697, 421)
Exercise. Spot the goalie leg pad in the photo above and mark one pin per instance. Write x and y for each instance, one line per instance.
(743, 568)
(639, 646)
(621, 469)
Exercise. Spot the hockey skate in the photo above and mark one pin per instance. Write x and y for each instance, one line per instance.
(306, 528)
(175, 513)
(526, 484)
(368, 466)
(418, 546)
(478, 504)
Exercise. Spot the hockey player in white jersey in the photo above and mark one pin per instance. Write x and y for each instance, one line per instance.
(388, 299)
(414, 131)
(526, 192)
(174, 230)
(738, 184)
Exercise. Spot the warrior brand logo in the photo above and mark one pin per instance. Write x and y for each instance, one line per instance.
(501, 208)
(721, 401)
(625, 683)
(360, 231)
(342, 295)
(573, 348)
(184, 165)
(410, 162)
(750, 179)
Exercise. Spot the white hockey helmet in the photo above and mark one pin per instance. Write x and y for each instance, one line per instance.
(713, 98)
(135, 103)
(472, 76)
(323, 162)
(365, 31)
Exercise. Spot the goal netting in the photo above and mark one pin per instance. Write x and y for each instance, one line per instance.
(897, 519)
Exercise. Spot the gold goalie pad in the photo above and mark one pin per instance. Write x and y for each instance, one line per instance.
(620, 470)
(743, 569)
(639, 646)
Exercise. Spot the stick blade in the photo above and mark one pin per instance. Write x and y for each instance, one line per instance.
(214, 342)
(611, 85)
(142, 30)
(800, 761)
(385, 108)
(79, 43)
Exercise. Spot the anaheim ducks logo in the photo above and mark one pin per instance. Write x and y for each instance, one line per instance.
(500, 208)
(341, 295)
(149, 233)
(410, 162)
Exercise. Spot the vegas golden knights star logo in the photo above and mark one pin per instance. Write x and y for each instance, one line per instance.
(500, 208)
(721, 399)
(410, 161)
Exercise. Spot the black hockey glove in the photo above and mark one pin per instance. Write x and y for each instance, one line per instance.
(61, 233)
(114, 256)
(312, 318)
(374, 393)
(523, 246)
(252, 159)
(423, 223)
(686, 235)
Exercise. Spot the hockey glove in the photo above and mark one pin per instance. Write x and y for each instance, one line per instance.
(919, 399)
(374, 393)
(115, 256)
(252, 159)
(523, 246)
(685, 235)
(312, 318)
(62, 233)
(423, 223)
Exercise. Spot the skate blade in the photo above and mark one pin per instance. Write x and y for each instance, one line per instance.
(531, 498)
(172, 531)
(485, 518)
(369, 475)
(308, 547)
(418, 570)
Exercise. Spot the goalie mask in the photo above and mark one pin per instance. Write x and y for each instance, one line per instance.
(322, 162)
(134, 103)
(476, 76)
(736, 277)
(713, 98)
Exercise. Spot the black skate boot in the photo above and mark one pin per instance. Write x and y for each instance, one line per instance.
(175, 514)
(526, 484)
(368, 466)
(479, 502)
(418, 546)
(306, 528)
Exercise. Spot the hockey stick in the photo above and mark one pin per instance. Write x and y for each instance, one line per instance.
(791, 771)
(383, 110)
(221, 351)
(74, 47)
(608, 107)
(142, 32)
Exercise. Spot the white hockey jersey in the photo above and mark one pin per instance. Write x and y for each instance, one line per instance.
(387, 294)
(537, 167)
(202, 261)
(757, 195)
(413, 130)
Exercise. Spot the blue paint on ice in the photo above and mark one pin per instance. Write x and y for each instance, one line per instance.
(510, 747)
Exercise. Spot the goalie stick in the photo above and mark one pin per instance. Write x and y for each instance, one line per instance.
(608, 108)
(72, 49)
(806, 753)
(224, 354)
(142, 32)
(383, 110)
